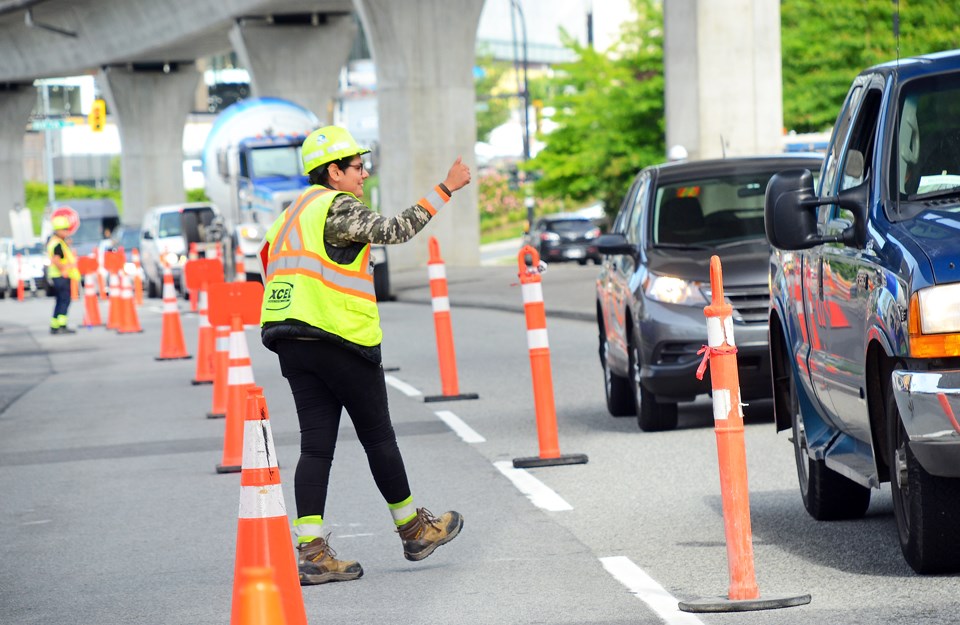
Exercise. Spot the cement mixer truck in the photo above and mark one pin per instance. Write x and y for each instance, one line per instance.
(252, 171)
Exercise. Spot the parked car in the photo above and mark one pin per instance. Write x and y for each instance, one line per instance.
(655, 282)
(33, 261)
(865, 308)
(166, 236)
(564, 237)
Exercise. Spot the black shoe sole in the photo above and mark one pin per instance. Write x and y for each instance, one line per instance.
(416, 557)
(325, 578)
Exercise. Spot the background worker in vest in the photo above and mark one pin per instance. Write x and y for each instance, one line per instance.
(63, 268)
(320, 316)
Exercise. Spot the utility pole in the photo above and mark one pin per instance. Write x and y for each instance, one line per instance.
(523, 90)
(48, 145)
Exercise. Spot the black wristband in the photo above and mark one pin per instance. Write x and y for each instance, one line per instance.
(444, 188)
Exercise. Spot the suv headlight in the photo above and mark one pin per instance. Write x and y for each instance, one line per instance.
(251, 233)
(671, 290)
(934, 325)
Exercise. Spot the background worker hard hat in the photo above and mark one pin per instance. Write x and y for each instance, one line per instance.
(326, 145)
(60, 222)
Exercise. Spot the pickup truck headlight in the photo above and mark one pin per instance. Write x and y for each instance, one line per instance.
(934, 325)
(671, 290)
(250, 232)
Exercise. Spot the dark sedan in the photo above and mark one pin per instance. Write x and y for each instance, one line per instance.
(565, 237)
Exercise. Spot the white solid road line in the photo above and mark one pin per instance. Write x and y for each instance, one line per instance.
(401, 386)
(648, 590)
(536, 491)
(464, 431)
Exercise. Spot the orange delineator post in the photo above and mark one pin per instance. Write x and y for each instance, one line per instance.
(528, 259)
(239, 270)
(263, 529)
(74, 289)
(172, 344)
(137, 280)
(221, 358)
(721, 355)
(239, 380)
(446, 355)
(20, 287)
(259, 597)
(193, 294)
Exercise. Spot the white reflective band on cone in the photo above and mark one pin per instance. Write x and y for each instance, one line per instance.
(441, 304)
(255, 448)
(532, 292)
(169, 291)
(261, 502)
(239, 375)
(238, 345)
(170, 307)
(437, 271)
(716, 329)
(223, 343)
(537, 339)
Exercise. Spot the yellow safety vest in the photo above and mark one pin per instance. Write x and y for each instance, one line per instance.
(68, 258)
(305, 284)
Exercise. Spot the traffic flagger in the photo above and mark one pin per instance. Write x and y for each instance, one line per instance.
(260, 597)
(172, 345)
(129, 320)
(221, 361)
(528, 261)
(88, 265)
(444, 328)
(720, 354)
(200, 274)
(235, 304)
(263, 530)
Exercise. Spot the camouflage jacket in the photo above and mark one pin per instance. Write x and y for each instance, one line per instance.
(350, 221)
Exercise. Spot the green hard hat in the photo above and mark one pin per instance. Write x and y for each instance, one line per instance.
(328, 144)
(60, 222)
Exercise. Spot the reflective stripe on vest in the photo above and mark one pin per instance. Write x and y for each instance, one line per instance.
(305, 284)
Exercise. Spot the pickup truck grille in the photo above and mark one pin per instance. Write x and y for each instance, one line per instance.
(750, 303)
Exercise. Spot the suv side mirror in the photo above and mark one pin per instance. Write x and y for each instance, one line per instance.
(789, 217)
(615, 243)
(147, 235)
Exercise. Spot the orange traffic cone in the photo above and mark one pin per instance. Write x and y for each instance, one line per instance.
(239, 270)
(263, 530)
(113, 312)
(172, 345)
(129, 322)
(87, 265)
(259, 597)
(193, 294)
(221, 359)
(239, 379)
(204, 371)
(137, 280)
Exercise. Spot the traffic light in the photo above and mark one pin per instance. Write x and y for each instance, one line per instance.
(98, 115)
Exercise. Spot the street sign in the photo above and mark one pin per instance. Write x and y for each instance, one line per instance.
(50, 124)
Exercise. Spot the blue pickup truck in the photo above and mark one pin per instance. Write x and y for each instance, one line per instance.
(865, 308)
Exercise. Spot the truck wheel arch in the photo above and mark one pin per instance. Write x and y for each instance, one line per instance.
(880, 363)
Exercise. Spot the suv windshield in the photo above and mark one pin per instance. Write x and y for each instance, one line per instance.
(928, 143)
(169, 225)
(710, 211)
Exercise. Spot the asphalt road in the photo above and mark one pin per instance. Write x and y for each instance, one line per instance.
(112, 511)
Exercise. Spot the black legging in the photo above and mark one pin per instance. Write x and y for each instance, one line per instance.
(61, 288)
(326, 378)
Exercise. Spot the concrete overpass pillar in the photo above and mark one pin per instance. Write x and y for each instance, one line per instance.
(297, 62)
(151, 106)
(424, 53)
(16, 102)
(723, 91)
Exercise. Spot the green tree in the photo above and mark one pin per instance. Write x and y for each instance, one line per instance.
(826, 44)
(493, 101)
(609, 112)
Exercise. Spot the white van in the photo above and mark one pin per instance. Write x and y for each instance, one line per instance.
(165, 237)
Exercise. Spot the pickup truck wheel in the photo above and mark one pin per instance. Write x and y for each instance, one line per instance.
(651, 415)
(926, 507)
(827, 495)
(620, 397)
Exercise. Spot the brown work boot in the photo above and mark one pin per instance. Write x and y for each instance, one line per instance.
(318, 564)
(426, 532)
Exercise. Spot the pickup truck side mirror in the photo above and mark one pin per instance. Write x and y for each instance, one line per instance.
(789, 217)
(615, 243)
(147, 235)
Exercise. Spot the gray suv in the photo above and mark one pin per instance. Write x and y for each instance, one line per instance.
(655, 281)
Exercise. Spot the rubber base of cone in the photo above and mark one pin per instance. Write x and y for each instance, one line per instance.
(721, 604)
(391, 368)
(525, 463)
(228, 469)
(216, 415)
(199, 382)
(129, 331)
(431, 398)
(188, 357)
